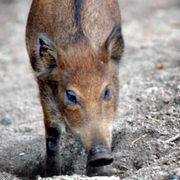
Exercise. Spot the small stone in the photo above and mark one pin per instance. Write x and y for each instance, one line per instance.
(23, 158)
(6, 121)
(123, 160)
(169, 112)
(139, 98)
(153, 114)
(119, 154)
(175, 177)
(148, 117)
(27, 129)
(21, 154)
(177, 99)
(154, 157)
(38, 177)
(123, 168)
(15, 130)
(153, 108)
(21, 108)
(129, 120)
(166, 99)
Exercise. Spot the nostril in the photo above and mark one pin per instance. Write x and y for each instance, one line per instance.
(102, 160)
(99, 157)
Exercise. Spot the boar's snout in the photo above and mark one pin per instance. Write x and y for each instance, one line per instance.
(99, 156)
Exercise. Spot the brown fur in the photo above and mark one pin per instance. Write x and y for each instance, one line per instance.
(75, 45)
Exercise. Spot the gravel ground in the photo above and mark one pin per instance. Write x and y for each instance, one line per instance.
(146, 143)
(78, 177)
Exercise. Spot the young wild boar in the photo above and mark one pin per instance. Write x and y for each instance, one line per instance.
(75, 47)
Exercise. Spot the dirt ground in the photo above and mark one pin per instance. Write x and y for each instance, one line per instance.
(146, 143)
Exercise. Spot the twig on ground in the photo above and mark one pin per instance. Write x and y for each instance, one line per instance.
(133, 142)
(173, 138)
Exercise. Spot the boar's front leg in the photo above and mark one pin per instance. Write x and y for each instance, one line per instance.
(52, 129)
(52, 166)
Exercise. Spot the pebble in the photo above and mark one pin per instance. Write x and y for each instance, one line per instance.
(175, 177)
(166, 99)
(154, 114)
(21, 154)
(177, 99)
(6, 121)
(153, 157)
(129, 120)
(148, 117)
(169, 112)
(23, 158)
(139, 98)
(152, 90)
(27, 129)
(153, 108)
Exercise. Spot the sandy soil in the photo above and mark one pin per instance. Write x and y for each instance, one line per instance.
(146, 143)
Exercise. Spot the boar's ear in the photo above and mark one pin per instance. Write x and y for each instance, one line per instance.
(47, 57)
(114, 45)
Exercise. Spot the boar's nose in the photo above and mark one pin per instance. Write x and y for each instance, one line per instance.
(99, 156)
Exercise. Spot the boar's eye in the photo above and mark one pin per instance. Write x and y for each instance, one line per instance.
(71, 96)
(107, 94)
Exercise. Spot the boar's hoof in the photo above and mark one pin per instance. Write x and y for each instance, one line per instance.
(99, 156)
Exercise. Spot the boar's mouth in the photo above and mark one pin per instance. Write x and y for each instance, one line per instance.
(99, 157)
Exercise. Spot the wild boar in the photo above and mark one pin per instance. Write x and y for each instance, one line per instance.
(75, 47)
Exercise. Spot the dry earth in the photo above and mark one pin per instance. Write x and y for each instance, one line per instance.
(146, 141)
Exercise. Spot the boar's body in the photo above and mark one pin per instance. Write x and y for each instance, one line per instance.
(75, 47)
